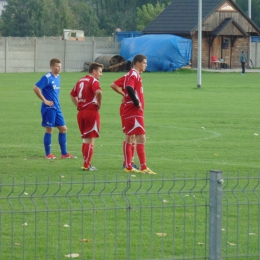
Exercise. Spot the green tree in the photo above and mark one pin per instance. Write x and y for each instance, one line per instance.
(18, 18)
(114, 14)
(147, 13)
(86, 18)
(36, 18)
(255, 9)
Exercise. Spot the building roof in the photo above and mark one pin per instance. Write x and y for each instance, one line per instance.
(181, 17)
(227, 22)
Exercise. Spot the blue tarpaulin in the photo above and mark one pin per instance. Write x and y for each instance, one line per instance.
(164, 52)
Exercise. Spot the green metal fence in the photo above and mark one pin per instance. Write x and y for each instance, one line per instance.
(132, 217)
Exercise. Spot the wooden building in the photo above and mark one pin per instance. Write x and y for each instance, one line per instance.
(226, 29)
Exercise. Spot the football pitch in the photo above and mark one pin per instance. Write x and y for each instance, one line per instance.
(189, 130)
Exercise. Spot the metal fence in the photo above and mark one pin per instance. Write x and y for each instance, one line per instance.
(133, 217)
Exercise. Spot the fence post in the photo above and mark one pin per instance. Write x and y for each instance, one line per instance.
(215, 222)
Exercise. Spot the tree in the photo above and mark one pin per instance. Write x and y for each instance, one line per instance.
(255, 9)
(114, 14)
(86, 18)
(18, 18)
(36, 18)
(147, 13)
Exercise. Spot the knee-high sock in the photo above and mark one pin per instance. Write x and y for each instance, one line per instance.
(124, 154)
(133, 152)
(140, 149)
(63, 143)
(82, 149)
(88, 153)
(127, 150)
(47, 143)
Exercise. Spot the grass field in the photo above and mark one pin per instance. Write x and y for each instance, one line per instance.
(189, 131)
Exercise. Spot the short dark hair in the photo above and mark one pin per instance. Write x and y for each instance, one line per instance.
(138, 58)
(54, 61)
(94, 66)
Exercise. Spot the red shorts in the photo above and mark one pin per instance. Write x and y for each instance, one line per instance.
(134, 125)
(89, 123)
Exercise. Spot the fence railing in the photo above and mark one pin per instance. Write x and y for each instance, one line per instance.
(136, 217)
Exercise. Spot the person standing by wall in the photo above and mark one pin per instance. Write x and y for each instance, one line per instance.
(87, 96)
(243, 60)
(48, 90)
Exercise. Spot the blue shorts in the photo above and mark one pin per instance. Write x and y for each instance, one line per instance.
(52, 117)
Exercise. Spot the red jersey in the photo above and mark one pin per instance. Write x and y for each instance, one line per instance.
(85, 90)
(133, 79)
(121, 83)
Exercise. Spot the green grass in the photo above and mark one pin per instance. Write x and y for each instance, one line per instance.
(189, 131)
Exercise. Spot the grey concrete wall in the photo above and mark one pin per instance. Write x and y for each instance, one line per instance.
(255, 54)
(33, 54)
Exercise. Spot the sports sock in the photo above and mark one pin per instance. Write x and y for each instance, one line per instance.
(63, 143)
(140, 149)
(124, 155)
(47, 143)
(133, 152)
(88, 153)
(82, 149)
(127, 150)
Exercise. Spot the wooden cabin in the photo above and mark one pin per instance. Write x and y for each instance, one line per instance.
(226, 29)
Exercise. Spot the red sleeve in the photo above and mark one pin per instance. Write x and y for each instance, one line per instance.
(74, 91)
(131, 82)
(96, 86)
(120, 82)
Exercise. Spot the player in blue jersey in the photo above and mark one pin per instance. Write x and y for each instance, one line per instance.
(48, 90)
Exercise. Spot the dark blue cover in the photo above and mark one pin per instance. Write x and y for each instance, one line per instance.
(164, 52)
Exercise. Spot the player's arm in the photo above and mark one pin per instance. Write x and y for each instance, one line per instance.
(74, 100)
(117, 89)
(131, 94)
(39, 94)
(98, 94)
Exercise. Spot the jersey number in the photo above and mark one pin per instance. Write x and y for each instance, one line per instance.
(81, 86)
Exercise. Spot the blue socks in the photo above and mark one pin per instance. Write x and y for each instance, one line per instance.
(47, 143)
(63, 143)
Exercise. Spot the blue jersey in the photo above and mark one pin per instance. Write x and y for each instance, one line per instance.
(50, 86)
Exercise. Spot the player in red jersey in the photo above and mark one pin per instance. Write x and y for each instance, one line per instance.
(118, 86)
(134, 114)
(86, 96)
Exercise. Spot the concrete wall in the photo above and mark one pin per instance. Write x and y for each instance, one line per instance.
(33, 54)
(255, 54)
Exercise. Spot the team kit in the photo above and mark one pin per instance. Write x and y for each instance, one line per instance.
(86, 95)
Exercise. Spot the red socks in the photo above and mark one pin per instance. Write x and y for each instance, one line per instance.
(88, 150)
(141, 155)
(127, 151)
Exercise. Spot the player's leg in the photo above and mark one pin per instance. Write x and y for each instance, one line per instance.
(47, 141)
(62, 136)
(132, 142)
(127, 151)
(140, 149)
(89, 125)
(133, 126)
(88, 152)
(133, 151)
(48, 121)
